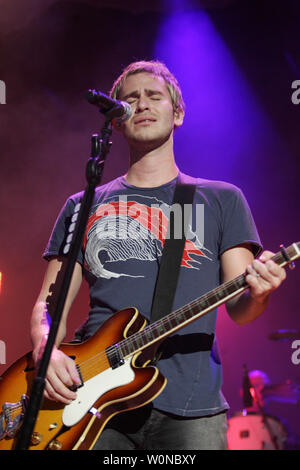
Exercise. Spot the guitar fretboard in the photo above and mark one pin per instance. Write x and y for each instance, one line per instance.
(181, 317)
(190, 312)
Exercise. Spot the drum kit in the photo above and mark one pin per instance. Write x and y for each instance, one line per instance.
(253, 428)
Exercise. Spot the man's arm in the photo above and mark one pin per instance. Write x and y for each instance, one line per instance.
(61, 373)
(263, 277)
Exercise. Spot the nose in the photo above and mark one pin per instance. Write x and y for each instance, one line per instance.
(142, 104)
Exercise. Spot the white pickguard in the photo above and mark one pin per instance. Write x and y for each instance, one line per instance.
(95, 388)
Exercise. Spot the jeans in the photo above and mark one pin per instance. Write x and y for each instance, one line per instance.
(149, 429)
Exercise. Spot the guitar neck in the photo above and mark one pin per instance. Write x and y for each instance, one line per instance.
(181, 317)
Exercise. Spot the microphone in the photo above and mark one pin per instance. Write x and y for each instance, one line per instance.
(113, 109)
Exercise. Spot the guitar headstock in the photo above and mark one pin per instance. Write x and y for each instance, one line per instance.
(288, 255)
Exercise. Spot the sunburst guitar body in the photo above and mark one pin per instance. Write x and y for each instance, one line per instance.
(109, 386)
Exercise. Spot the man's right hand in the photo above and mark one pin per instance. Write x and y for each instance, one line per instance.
(61, 374)
(60, 378)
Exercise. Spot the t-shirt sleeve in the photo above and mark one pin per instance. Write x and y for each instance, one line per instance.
(238, 223)
(60, 232)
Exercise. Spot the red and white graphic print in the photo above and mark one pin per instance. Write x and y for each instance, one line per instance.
(122, 229)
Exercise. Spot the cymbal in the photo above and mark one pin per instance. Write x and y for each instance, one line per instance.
(284, 335)
(287, 392)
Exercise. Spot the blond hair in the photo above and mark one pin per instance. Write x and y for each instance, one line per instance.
(155, 68)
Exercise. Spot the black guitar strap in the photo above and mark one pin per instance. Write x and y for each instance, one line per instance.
(172, 252)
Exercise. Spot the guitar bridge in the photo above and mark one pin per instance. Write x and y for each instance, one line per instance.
(12, 417)
(114, 356)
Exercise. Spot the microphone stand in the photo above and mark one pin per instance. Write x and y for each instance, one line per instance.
(94, 169)
(247, 397)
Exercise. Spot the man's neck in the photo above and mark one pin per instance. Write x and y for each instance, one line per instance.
(151, 169)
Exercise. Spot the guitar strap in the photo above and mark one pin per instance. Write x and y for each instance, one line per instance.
(168, 274)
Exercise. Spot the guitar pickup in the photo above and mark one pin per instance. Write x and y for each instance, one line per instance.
(114, 356)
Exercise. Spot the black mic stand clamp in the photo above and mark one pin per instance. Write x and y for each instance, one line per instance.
(94, 169)
(99, 151)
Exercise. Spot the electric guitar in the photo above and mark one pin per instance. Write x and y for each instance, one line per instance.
(115, 370)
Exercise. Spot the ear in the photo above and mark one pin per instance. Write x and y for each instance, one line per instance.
(178, 118)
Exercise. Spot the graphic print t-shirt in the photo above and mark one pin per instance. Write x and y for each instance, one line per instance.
(121, 254)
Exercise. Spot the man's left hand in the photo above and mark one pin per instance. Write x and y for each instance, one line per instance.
(264, 276)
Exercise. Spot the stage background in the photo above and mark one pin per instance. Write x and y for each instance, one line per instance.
(236, 62)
